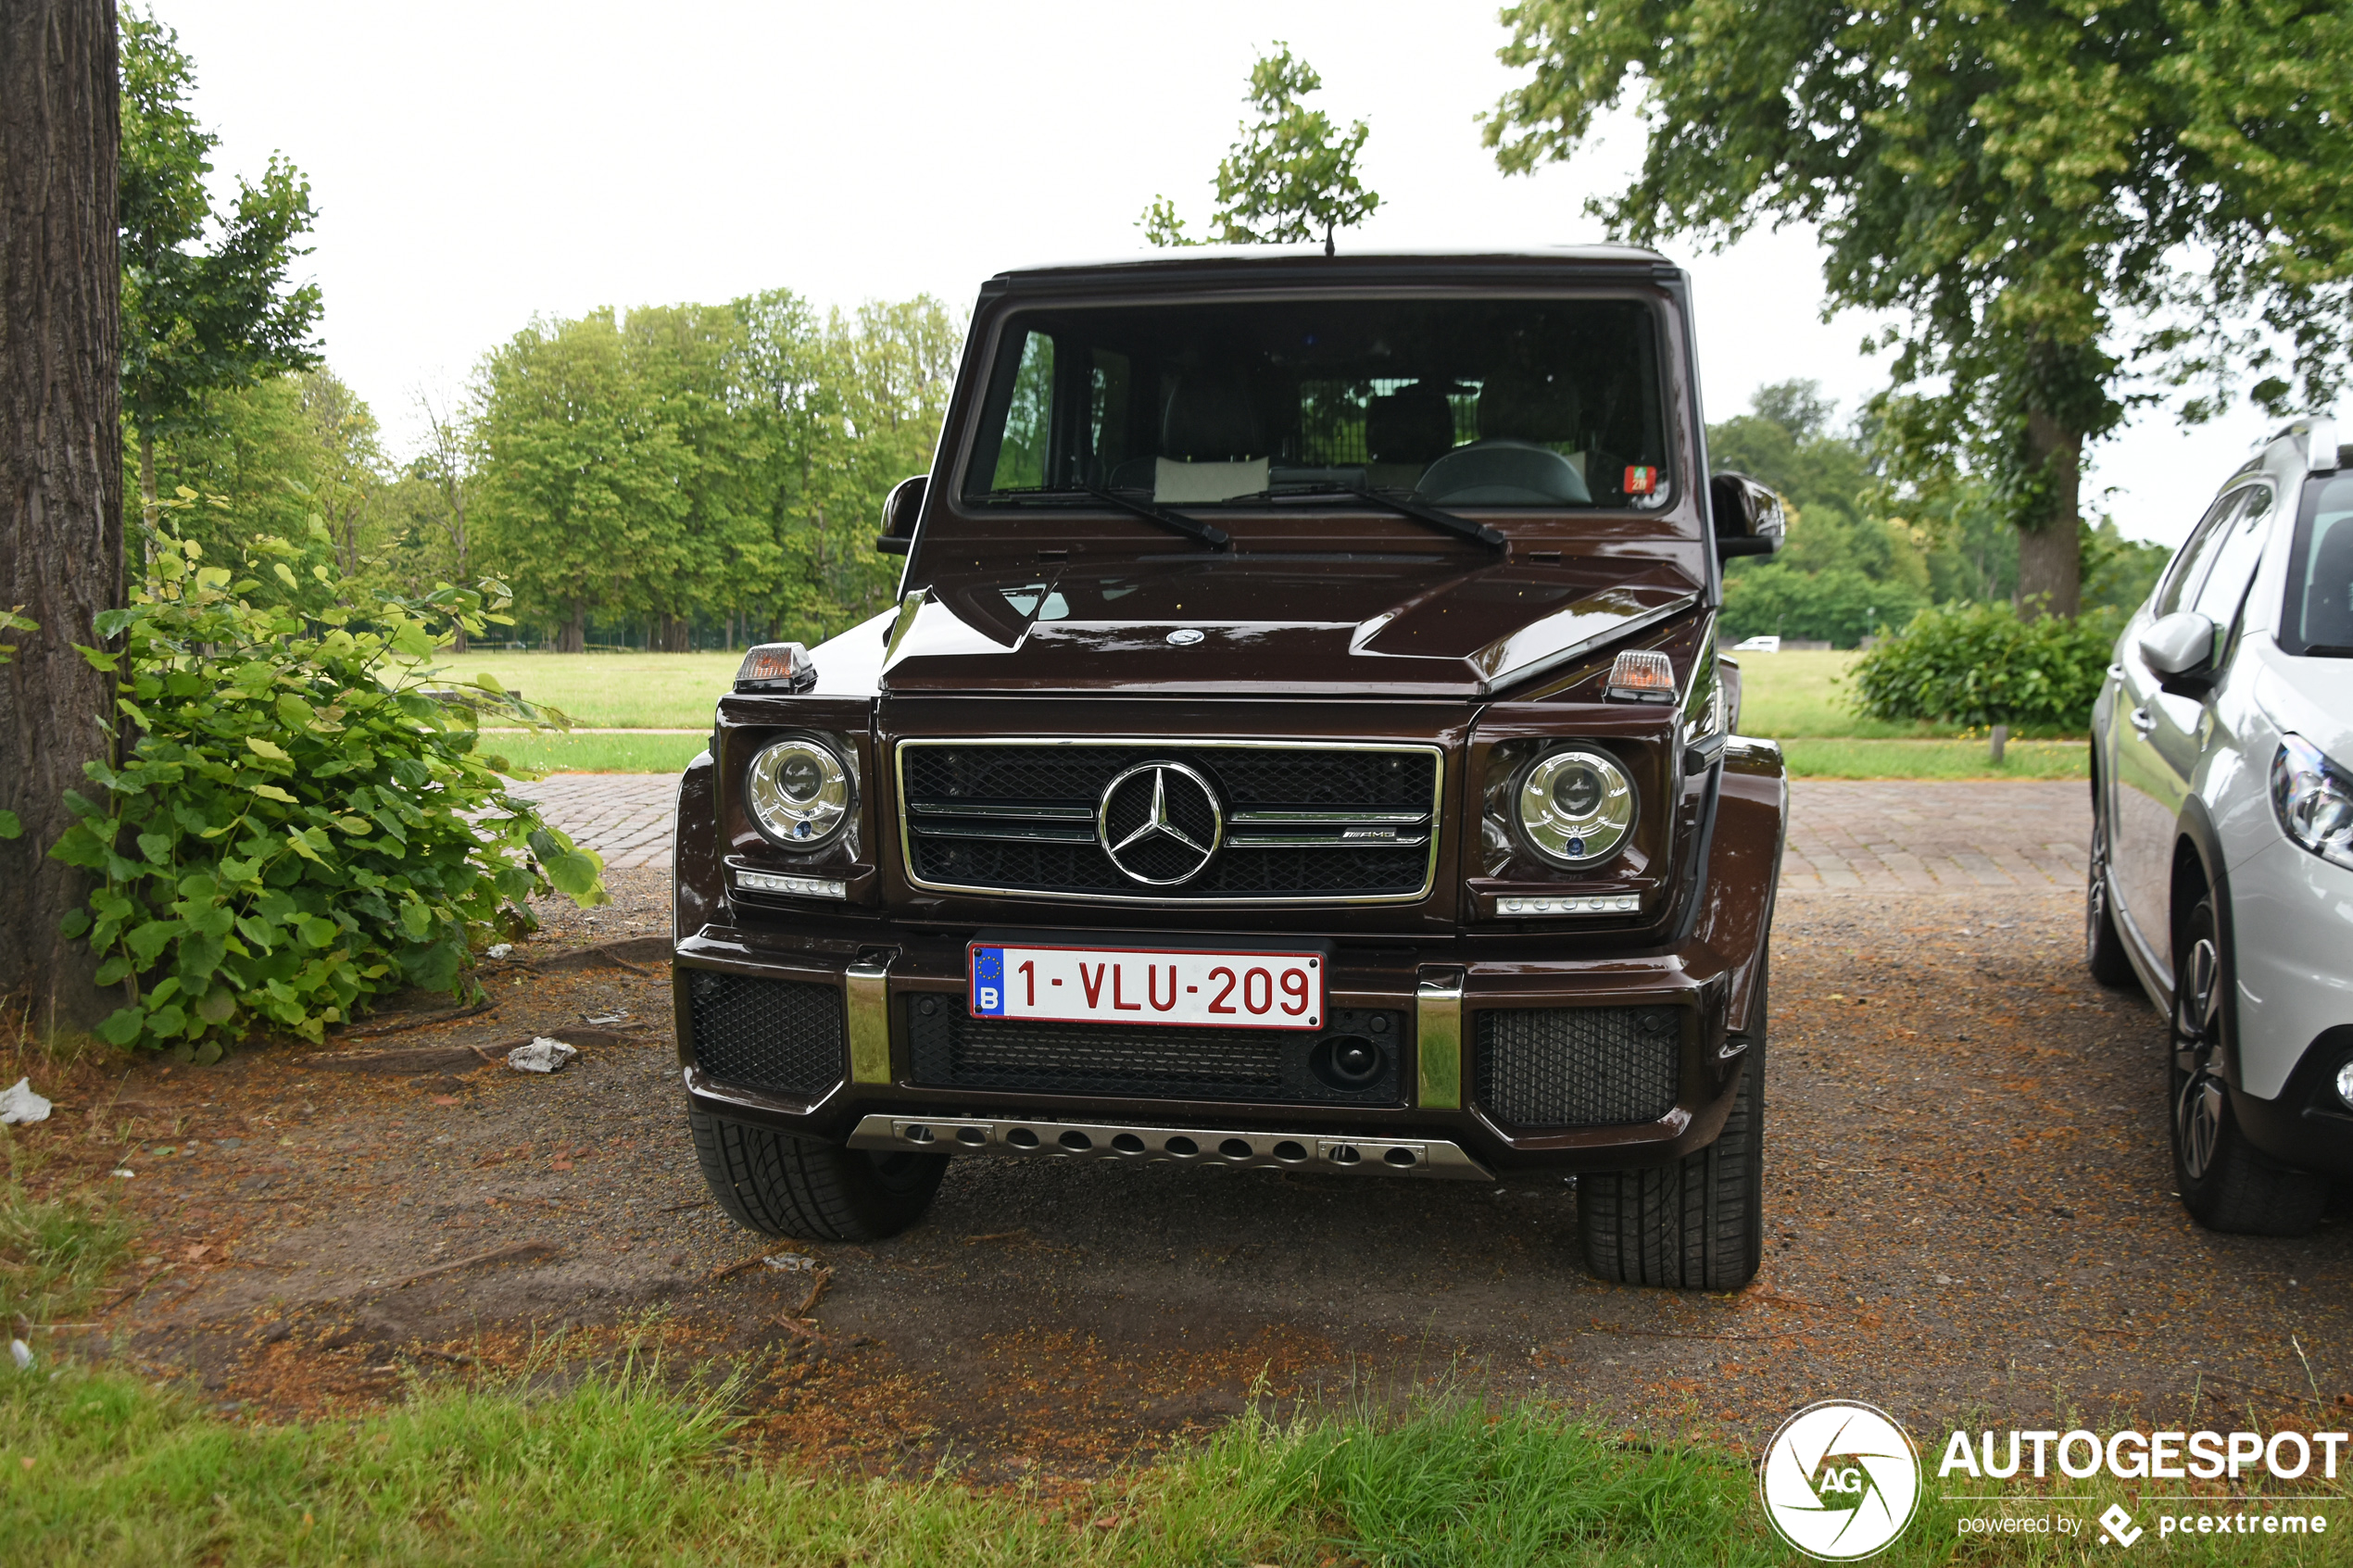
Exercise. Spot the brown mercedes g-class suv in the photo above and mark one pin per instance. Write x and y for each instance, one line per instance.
(1301, 743)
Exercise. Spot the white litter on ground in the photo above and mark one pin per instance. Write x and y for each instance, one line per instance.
(23, 1353)
(19, 1103)
(543, 1055)
(498, 949)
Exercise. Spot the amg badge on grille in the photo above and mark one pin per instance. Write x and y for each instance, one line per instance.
(1160, 823)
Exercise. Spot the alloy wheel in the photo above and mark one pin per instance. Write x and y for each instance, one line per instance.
(2199, 1097)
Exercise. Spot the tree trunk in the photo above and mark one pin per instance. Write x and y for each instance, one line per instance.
(2050, 556)
(574, 636)
(60, 471)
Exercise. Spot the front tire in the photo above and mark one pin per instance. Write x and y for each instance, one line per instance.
(781, 1185)
(2226, 1183)
(2103, 944)
(1698, 1223)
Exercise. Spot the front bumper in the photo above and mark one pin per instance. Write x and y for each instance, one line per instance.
(1695, 996)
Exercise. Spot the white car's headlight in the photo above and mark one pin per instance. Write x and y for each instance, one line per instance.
(798, 792)
(1575, 806)
(2314, 799)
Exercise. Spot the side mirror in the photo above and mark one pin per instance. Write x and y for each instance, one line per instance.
(900, 508)
(1748, 516)
(2180, 648)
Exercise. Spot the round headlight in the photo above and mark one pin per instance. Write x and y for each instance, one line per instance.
(1574, 807)
(2345, 1084)
(798, 792)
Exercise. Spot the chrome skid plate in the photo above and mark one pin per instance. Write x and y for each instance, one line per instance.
(1249, 1149)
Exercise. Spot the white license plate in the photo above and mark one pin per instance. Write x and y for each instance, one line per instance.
(1149, 986)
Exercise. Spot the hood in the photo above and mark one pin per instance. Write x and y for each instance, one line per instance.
(1348, 626)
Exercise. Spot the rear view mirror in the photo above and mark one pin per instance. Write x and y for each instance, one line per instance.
(901, 509)
(2180, 650)
(1749, 520)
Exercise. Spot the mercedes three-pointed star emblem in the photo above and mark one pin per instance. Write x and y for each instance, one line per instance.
(1160, 839)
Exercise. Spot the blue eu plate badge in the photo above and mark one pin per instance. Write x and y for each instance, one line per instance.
(988, 982)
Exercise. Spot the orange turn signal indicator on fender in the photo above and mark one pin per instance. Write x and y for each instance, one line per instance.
(1645, 676)
(776, 667)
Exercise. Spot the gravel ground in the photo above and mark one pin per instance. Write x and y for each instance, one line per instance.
(1970, 1214)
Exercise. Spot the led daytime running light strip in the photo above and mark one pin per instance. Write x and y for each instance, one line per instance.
(799, 886)
(1595, 904)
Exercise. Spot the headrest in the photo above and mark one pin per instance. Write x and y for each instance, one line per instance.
(1521, 406)
(1414, 424)
(1212, 418)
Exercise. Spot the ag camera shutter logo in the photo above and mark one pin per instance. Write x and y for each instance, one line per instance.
(1840, 1481)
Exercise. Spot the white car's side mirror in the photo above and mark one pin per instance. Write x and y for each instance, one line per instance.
(2179, 644)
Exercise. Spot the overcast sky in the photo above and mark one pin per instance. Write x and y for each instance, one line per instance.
(477, 163)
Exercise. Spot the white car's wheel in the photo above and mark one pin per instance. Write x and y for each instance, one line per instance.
(2226, 1183)
(2103, 946)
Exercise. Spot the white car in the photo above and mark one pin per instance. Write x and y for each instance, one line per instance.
(2221, 862)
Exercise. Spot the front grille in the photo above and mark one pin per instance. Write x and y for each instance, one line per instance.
(952, 1049)
(1299, 821)
(780, 1035)
(1576, 1067)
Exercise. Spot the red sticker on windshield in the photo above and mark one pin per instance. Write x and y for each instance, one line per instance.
(1641, 482)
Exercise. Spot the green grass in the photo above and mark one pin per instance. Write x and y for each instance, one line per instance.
(628, 691)
(53, 1251)
(1935, 760)
(1805, 696)
(597, 754)
(99, 1467)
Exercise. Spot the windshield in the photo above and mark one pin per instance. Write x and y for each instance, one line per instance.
(1543, 403)
(2320, 576)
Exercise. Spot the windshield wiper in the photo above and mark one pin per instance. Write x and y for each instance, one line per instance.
(1208, 534)
(1192, 528)
(1462, 527)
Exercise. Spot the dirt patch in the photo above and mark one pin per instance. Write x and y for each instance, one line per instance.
(1970, 1211)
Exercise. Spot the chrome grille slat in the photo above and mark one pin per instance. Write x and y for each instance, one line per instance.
(1327, 821)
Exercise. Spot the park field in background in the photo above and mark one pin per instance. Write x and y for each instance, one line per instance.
(1797, 699)
(620, 691)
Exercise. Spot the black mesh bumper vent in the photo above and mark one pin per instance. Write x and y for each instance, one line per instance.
(780, 1035)
(1576, 1067)
(953, 1050)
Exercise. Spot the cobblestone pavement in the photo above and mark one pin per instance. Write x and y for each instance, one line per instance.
(1878, 837)
(623, 817)
(1917, 835)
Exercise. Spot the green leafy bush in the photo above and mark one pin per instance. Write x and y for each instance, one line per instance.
(1838, 605)
(298, 826)
(1979, 664)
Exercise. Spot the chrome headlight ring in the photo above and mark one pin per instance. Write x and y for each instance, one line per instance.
(1574, 806)
(798, 792)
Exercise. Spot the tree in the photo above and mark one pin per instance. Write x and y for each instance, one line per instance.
(576, 496)
(1291, 178)
(195, 320)
(2070, 206)
(60, 474)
